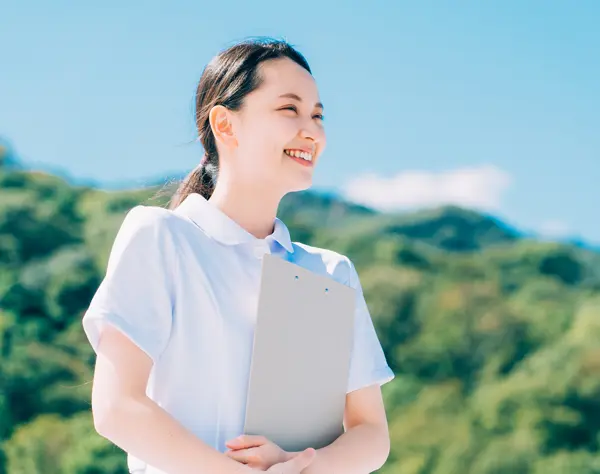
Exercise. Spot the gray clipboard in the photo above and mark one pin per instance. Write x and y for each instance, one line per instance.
(301, 357)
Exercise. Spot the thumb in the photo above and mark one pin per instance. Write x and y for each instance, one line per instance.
(300, 461)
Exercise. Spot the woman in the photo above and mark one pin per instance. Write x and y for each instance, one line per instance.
(172, 321)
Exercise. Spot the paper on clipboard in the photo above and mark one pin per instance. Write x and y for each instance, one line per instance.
(301, 357)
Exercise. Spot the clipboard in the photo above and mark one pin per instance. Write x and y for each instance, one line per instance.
(301, 357)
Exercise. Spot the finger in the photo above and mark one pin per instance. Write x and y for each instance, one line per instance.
(245, 456)
(299, 462)
(246, 441)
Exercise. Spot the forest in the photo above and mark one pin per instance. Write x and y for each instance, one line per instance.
(494, 336)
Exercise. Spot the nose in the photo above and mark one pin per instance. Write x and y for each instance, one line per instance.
(313, 132)
(306, 135)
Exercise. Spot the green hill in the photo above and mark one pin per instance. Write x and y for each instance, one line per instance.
(494, 337)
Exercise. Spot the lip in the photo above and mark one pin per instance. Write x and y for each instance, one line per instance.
(308, 164)
(304, 150)
(301, 162)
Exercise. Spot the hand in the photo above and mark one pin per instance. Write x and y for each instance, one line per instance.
(256, 451)
(294, 466)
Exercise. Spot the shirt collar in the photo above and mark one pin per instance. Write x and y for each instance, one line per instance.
(222, 228)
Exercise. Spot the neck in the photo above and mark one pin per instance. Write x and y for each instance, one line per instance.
(253, 209)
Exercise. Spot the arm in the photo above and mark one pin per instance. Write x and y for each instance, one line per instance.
(128, 418)
(363, 448)
(365, 445)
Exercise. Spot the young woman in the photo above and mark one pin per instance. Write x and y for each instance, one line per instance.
(172, 321)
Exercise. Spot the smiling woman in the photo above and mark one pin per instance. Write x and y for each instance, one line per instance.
(173, 320)
(266, 92)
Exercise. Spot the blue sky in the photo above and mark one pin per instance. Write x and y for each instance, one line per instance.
(493, 105)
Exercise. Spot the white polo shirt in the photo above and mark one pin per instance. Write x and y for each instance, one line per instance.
(183, 285)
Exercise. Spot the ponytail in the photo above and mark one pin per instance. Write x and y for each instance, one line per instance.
(200, 180)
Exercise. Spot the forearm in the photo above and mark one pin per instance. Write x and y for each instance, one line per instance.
(360, 450)
(146, 431)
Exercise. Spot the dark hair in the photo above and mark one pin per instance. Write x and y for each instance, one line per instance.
(226, 81)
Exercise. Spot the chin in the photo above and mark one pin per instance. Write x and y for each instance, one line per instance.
(297, 185)
(297, 177)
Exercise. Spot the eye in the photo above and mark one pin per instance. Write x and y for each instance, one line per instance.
(290, 107)
(294, 109)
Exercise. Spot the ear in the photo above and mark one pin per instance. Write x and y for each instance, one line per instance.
(222, 126)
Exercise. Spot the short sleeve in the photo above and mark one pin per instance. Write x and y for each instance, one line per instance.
(135, 294)
(368, 364)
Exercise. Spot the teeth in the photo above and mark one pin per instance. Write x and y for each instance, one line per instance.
(299, 154)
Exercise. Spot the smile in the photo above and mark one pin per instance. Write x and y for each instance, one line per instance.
(306, 156)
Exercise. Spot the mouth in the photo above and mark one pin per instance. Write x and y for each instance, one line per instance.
(303, 157)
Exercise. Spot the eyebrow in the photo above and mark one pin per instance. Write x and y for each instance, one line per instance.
(291, 95)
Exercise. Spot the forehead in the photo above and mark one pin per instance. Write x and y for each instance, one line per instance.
(284, 76)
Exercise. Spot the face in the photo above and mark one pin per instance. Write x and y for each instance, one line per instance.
(279, 133)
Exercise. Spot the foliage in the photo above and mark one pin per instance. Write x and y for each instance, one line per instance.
(493, 337)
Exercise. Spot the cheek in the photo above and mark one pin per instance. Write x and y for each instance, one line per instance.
(261, 148)
(265, 138)
(275, 136)
(254, 138)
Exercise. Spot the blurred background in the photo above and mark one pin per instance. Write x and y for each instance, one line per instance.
(461, 176)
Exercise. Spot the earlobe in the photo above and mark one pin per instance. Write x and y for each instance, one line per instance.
(222, 126)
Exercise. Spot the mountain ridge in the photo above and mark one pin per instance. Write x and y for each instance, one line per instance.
(502, 230)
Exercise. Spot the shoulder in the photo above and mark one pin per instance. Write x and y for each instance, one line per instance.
(148, 227)
(321, 260)
(151, 220)
(144, 217)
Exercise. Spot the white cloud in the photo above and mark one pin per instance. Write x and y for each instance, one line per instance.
(476, 187)
(554, 229)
